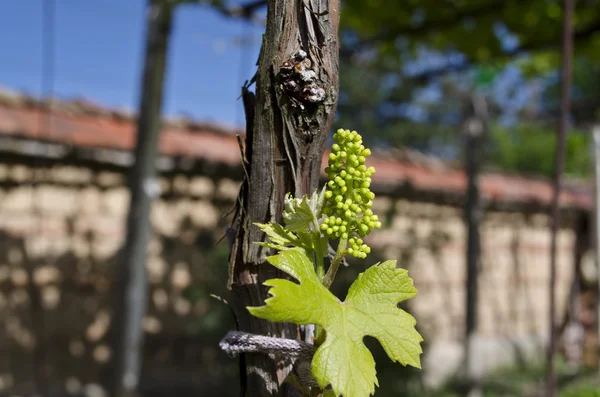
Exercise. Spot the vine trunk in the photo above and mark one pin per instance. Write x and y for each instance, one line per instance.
(288, 120)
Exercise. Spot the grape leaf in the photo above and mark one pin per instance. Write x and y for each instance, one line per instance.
(370, 308)
(300, 213)
(279, 237)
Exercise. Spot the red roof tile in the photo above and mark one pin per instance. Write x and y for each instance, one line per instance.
(83, 124)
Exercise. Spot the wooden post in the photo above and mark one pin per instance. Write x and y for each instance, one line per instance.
(42, 368)
(596, 227)
(565, 105)
(475, 131)
(132, 285)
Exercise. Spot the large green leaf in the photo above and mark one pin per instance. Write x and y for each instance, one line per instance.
(371, 308)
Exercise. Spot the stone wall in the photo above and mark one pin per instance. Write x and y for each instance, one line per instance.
(513, 280)
(59, 253)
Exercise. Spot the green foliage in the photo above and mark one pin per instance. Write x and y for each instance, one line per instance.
(341, 210)
(582, 391)
(375, 96)
(299, 214)
(531, 149)
(585, 98)
(369, 309)
(471, 26)
(301, 226)
(486, 36)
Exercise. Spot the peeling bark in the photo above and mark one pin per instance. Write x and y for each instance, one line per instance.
(288, 119)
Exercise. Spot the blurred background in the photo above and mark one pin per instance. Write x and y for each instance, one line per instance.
(415, 76)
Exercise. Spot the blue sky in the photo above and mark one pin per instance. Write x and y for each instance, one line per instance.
(99, 47)
(98, 55)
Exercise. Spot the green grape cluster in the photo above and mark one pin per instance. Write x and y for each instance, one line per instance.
(348, 199)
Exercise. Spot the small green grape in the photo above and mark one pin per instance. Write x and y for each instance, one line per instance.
(348, 198)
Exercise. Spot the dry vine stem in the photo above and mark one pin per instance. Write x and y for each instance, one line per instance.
(288, 119)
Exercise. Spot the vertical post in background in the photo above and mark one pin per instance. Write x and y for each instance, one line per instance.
(475, 131)
(42, 370)
(596, 227)
(565, 105)
(131, 287)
